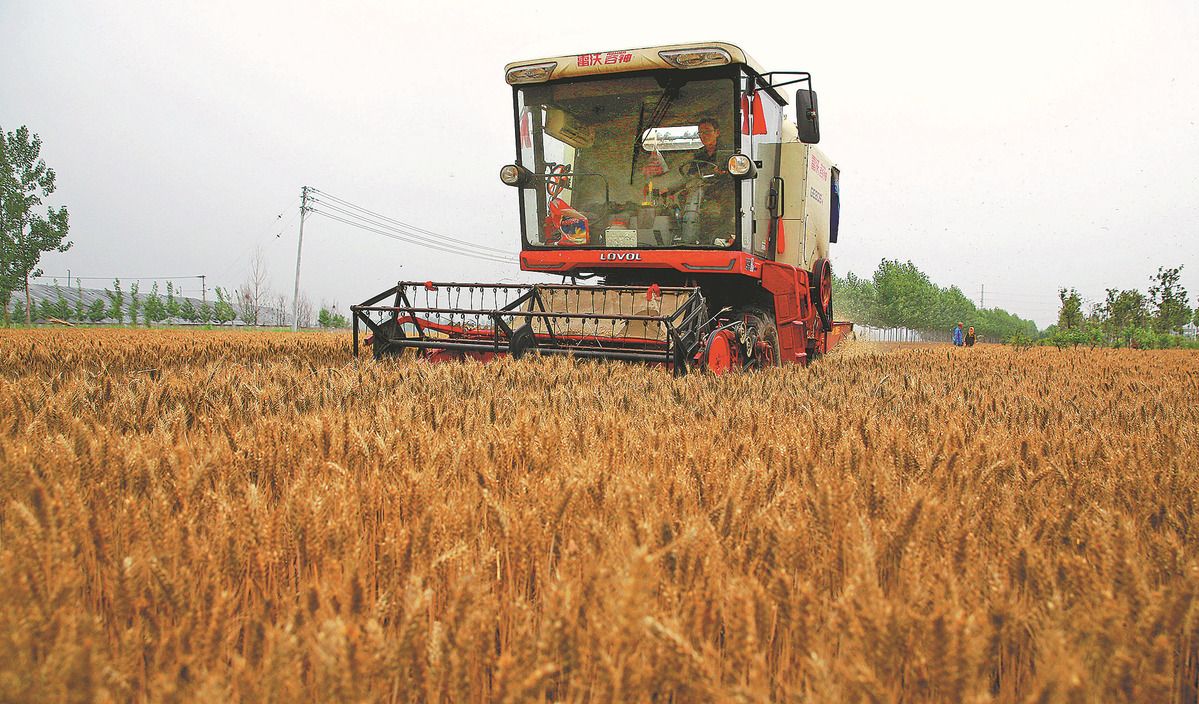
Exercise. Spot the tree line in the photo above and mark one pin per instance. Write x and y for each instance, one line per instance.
(1155, 318)
(900, 295)
(120, 305)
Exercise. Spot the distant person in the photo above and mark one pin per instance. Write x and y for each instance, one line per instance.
(970, 337)
(957, 335)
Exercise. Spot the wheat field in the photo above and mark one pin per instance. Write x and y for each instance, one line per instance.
(233, 516)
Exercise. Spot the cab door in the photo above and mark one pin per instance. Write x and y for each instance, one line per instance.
(761, 117)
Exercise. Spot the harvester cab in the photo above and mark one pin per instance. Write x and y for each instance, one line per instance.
(673, 176)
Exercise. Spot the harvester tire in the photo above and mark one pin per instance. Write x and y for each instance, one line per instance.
(523, 340)
(381, 346)
(820, 285)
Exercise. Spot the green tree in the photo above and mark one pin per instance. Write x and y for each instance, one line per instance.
(329, 319)
(97, 310)
(135, 303)
(171, 304)
(1122, 313)
(1069, 315)
(187, 311)
(223, 311)
(904, 296)
(1169, 301)
(204, 313)
(18, 310)
(56, 306)
(155, 310)
(116, 301)
(853, 297)
(25, 234)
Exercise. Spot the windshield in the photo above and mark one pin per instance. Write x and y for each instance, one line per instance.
(635, 161)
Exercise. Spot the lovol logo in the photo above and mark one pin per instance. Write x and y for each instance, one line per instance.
(620, 256)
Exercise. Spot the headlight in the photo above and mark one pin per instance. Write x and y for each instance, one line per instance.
(514, 175)
(696, 58)
(534, 73)
(742, 166)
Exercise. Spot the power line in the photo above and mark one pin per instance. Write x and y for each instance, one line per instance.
(415, 240)
(403, 226)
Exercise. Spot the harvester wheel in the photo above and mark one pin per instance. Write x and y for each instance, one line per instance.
(761, 339)
(820, 284)
(523, 340)
(722, 353)
(381, 345)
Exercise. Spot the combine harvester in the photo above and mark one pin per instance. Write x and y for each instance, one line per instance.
(672, 176)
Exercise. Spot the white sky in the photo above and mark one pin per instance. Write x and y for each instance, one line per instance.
(1020, 146)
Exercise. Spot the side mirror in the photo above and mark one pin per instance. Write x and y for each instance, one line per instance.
(807, 119)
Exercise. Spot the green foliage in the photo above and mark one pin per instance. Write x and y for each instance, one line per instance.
(1020, 341)
(156, 311)
(328, 319)
(187, 311)
(1069, 316)
(97, 311)
(80, 306)
(18, 310)
(116, 302)
(171, 304)
(223, 311)
(135, 303)
(24, 234)
(204, 313)
(1169, 301)
(56, 307)
(900, 295)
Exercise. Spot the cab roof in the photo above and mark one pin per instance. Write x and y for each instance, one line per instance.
(623, 60)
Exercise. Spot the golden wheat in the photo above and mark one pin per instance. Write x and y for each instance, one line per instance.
(207, 516)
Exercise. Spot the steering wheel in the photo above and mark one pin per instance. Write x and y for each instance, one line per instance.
(698, 168)
(558, 180)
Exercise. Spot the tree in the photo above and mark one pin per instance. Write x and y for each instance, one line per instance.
(135, 305)
(171, 305)
(1169, 301)
(204, 313)
(25, 235)
(56, 307)
(304, 310)
(255, 292)
(187, 311)
(97, 310)
(155, 310)
(116, 301)
(281, 310)
(1122, 313)
(1069, 316)
(327, 318)
(223, 311)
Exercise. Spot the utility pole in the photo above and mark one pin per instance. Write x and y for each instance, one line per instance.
(203, 289)
(295, 299)
(982, 295)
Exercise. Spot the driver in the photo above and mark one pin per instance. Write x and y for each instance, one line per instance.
(709, 132)
(707, 197)
(716, 210)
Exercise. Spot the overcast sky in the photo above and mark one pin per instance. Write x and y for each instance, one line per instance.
(1018, 146)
